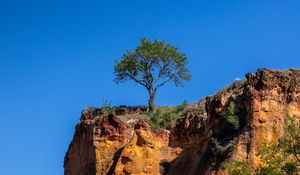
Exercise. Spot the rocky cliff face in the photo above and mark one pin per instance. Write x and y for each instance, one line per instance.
(200, 141)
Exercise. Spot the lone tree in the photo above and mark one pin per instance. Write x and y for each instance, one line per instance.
(152, 65)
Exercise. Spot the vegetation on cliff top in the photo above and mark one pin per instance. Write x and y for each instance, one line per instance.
(164, 115)
(152, 65)
(160, 118)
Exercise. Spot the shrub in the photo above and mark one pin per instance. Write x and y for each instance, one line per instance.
(231, 117)
(181, 107)
(166, 119)
(282, 157)
(220, 148)
(216, 146)
(160, 119)
(106, 103)
(90, 109)
(268, 170)
(164, 115)
(107, 106)
(154, 120)
(290, 168)
(237, 168)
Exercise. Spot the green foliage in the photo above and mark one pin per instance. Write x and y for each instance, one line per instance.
(152, 65)
(164, 115)
(220, 148)
(271, 155)
(237, 168)
(106, 103)
(107, 106)
(181, 107)
(154, 121)
(161, 119)
(231, 117)
(90, 109)
(216, 146)
(290, 168)
(283, 157)
(268, 170)
(152, 61)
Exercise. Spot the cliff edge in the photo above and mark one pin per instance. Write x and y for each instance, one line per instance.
(229, 125)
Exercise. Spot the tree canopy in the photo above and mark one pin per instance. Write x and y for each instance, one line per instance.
(152, 65)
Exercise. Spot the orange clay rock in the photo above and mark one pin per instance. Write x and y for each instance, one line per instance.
(97, 143)
(200, 142)
(146, 153)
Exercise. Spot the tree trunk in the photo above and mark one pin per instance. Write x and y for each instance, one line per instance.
(151, 101)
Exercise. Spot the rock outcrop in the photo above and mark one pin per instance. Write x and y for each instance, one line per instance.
(200, 141)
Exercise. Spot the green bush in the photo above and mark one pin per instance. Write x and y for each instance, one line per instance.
(164, 115)
(90, 109)
(181, 107)
(166, 119)
(281, 158)
(107, 106)
(290, 168)
(231, 117)
(159, 119)
(216, 146)
(277, 157)
(106, 103)
(220, 148)
(154, 120)
(268, 170)
(237, 168)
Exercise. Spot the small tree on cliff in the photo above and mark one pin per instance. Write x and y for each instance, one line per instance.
(152, 65)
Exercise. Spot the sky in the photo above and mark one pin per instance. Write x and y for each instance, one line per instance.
(57, 58)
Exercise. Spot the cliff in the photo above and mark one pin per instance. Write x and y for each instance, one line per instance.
(201, 140)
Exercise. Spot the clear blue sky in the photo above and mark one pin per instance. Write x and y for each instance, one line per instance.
(56, 58)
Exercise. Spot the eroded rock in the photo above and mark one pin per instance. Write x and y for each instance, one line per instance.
(201, 140)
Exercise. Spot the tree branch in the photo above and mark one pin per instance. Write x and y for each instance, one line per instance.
(141, 82)
(295, 153)
(161, 70)
(163, 83)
